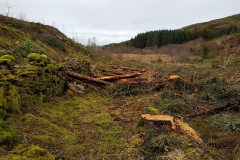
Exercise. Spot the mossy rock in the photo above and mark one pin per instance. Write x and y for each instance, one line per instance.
(54, 68)
(41, 60)
(36, 57)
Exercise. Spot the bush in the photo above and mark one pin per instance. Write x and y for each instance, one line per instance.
(207, 54)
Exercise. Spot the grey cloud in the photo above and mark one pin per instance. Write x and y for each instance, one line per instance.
(113, 21)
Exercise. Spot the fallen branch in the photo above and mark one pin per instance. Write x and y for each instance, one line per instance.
(97, 76)
(113, 71)
(86, 78)
(96, 84)
(134, 79)
(120, 76)
(202, 108)
(161, 85)
(108, 74)
(213, 109)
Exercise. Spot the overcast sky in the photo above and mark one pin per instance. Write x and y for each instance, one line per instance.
(113, 21)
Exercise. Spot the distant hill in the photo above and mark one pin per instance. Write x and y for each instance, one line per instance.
(217, 24)
(19, 38)
(207, 30)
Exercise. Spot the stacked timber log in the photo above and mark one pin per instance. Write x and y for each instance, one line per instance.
(102, 77)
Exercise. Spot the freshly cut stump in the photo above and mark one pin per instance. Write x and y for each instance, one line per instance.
(162, 119)
(174, 78)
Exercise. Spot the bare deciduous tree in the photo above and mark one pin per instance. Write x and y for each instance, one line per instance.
(5, 8)
(22, 16)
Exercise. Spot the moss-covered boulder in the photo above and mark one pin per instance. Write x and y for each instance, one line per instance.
(42, 80)
(37, 59)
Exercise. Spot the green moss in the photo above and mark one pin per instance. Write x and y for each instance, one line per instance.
(13, 99)
(6, 62)
(35, 151)
(3, 101)
(33, 124)
(135, 142)
(139, 123)
(7, 57)
(27, 74)
(12, 33)
(52, 68)
(10, 78)
(194, 153)
(27, 152)
(5, 43)
(20, 71)
(2, 115)
(150, 110)
(40, 60)
(7, 137)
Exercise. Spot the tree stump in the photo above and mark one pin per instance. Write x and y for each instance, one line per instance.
(160, 120)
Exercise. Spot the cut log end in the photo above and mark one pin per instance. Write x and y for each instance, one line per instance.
(174, 78)
(162, 119)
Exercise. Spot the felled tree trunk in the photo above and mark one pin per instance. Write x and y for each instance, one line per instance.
(86, 78)
(113, 71)
(120, 76)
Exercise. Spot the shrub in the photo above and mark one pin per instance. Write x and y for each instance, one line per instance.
(207, 54)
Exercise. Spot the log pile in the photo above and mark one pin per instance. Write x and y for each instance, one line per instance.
(107, 77)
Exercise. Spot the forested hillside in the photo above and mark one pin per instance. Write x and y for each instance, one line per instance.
(208, 30)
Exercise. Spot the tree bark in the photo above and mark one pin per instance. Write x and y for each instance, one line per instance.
(86, 78)
(113, 71)
(120, 76)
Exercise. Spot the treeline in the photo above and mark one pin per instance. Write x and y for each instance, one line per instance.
(165, 37)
